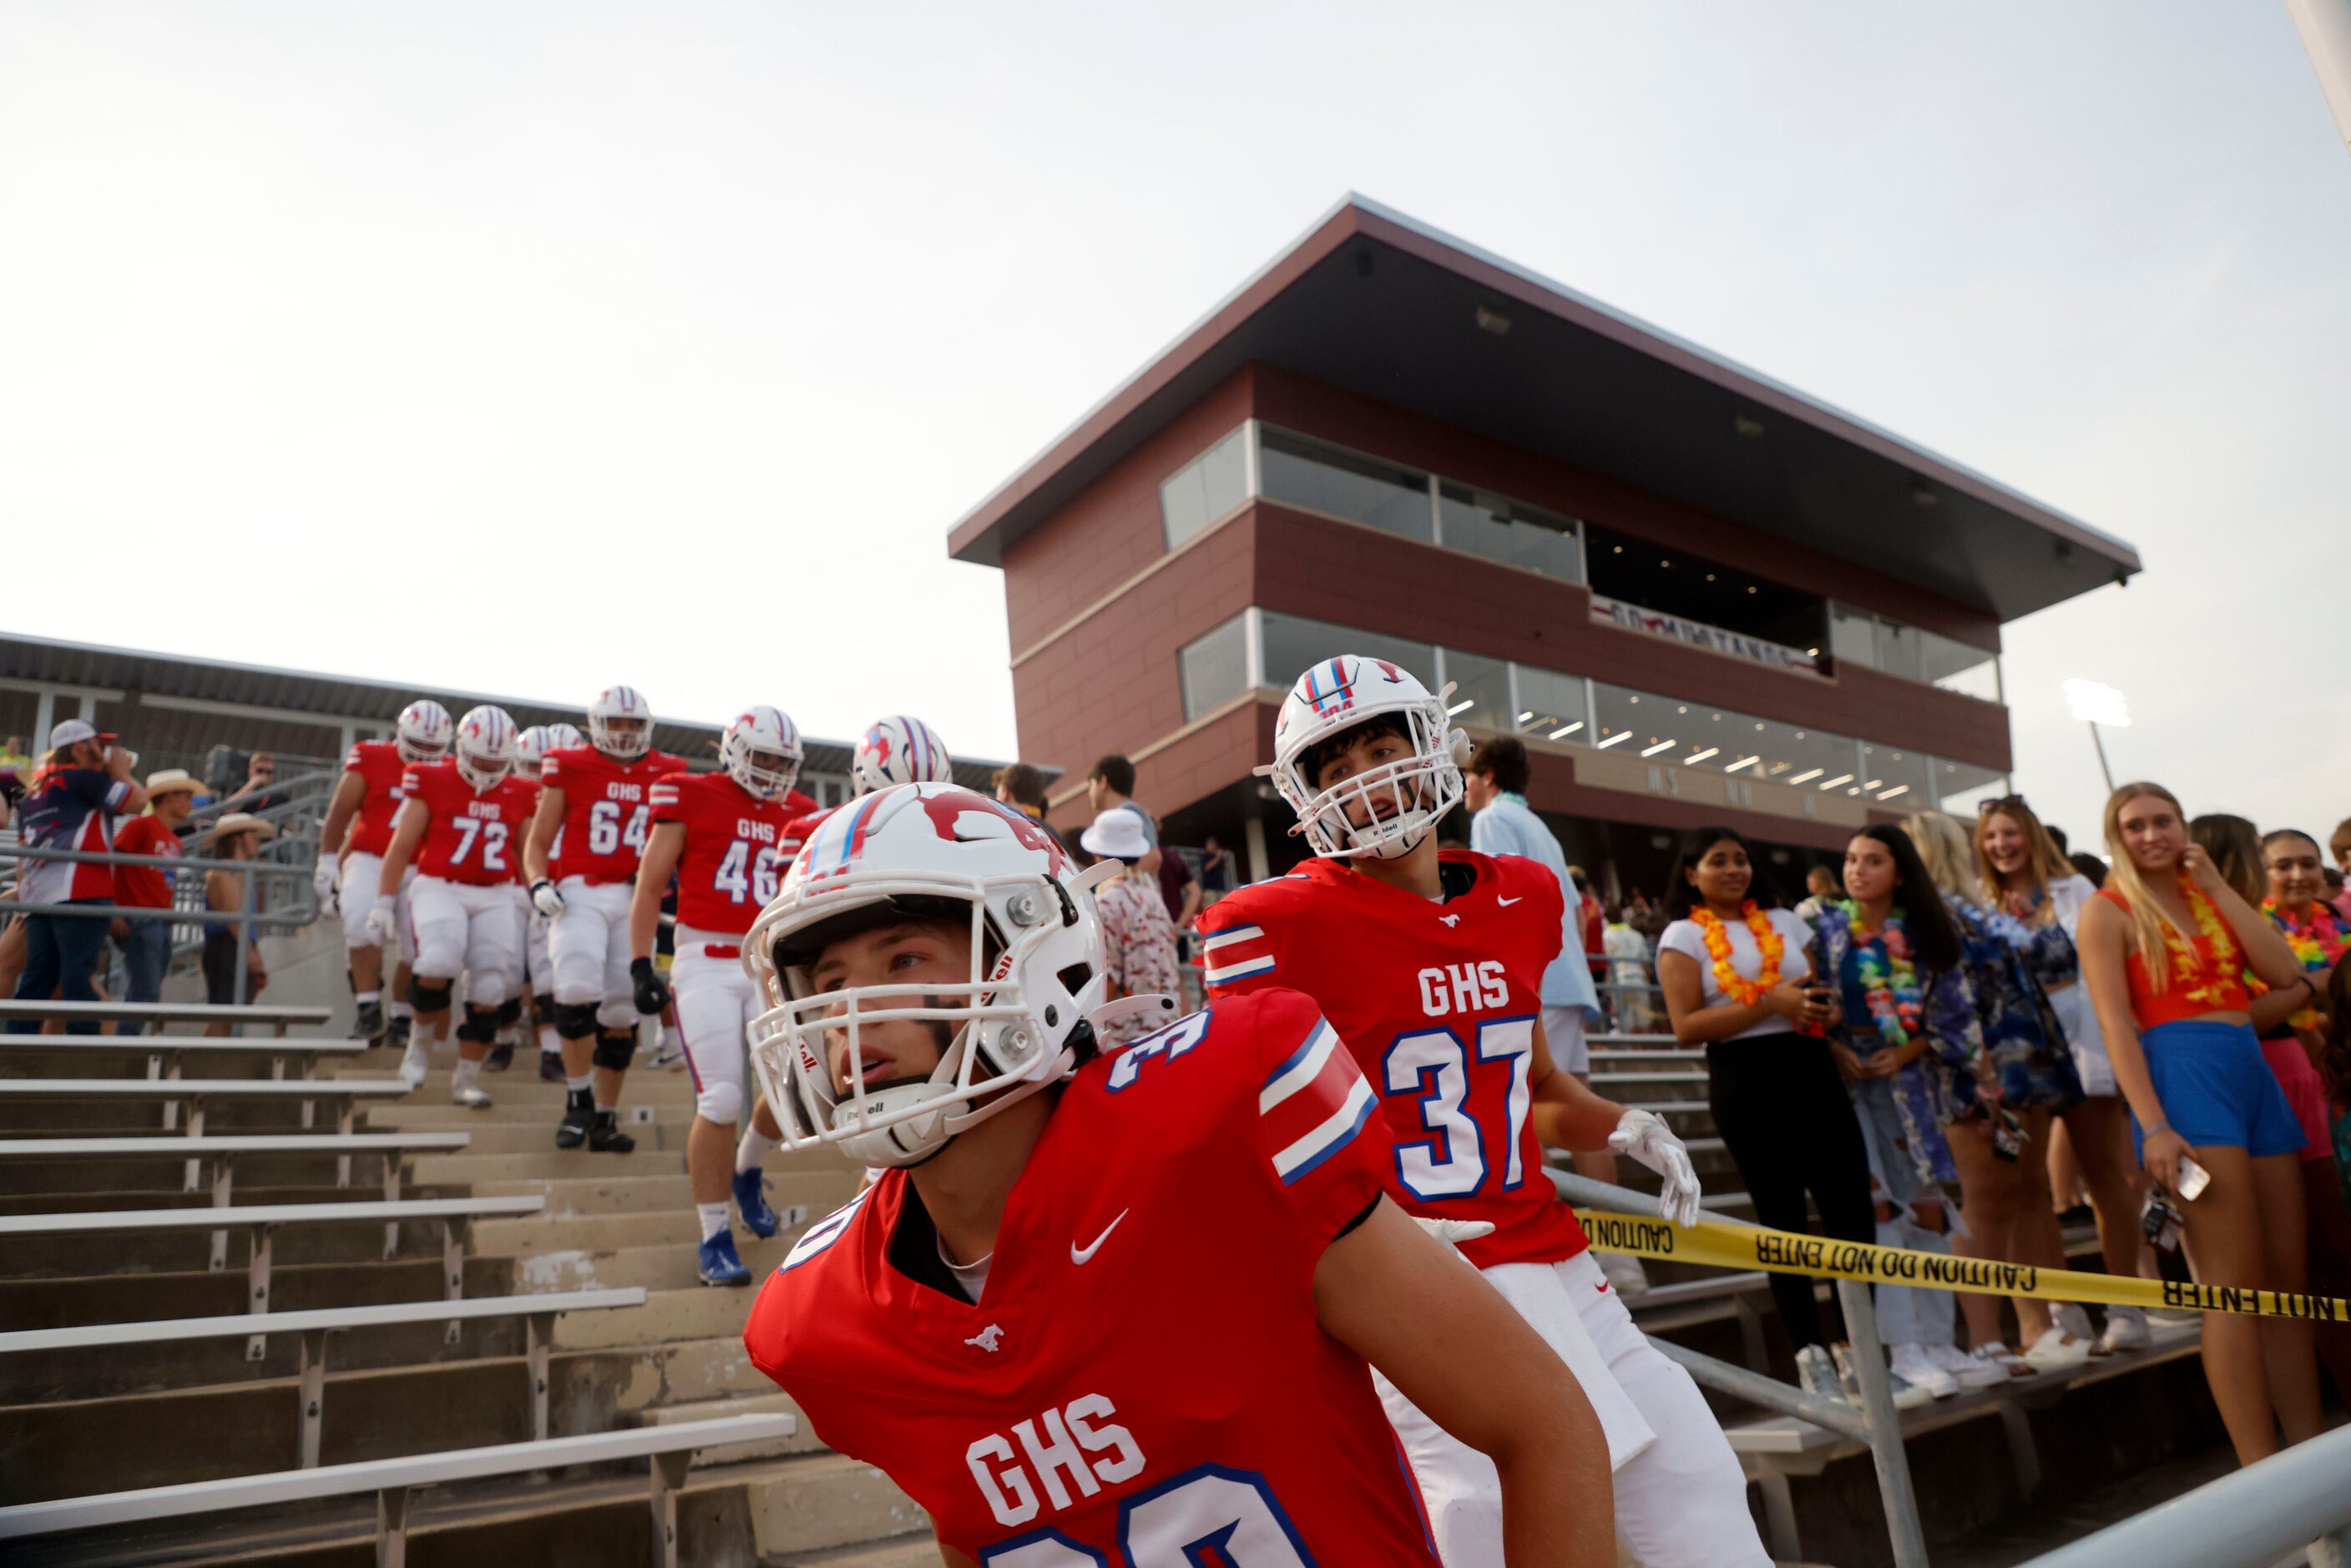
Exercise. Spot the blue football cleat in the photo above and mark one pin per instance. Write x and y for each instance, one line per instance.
(721, 1265)
(751, 1203)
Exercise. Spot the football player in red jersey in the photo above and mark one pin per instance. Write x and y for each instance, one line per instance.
(1429, 963)
(461, 822)
(1111, 1307)
(366, 798)
(531, 747)
(724, 835)
(595, 798)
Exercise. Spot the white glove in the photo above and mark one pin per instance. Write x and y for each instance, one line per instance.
(325, 879)
(545, 899)
(382, 925)
(1651, 1142)
(1454, 1232)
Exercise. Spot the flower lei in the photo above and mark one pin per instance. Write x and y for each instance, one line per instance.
(2208, 987)
(1738, 989)
(2317, 940)
(1889, 977)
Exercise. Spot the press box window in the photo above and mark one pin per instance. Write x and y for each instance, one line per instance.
(1299, 473)
(1215, 667)
(1292, 642)
(1508, 531)
(1206, 489)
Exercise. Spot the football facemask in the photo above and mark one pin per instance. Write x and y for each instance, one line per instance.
(621, 724)
(1398, 803)
(422, 732)
(760, 750)
(1008, 1028)
(485, 747)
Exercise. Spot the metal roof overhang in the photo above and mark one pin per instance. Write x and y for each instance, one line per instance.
(1378, 303)
(332, 699)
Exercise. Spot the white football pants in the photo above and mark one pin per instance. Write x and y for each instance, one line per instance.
(362, 873)
(463, 927)
(715, 1004)
(587, 945)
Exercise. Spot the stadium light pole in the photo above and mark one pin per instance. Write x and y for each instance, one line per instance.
(2096, 703)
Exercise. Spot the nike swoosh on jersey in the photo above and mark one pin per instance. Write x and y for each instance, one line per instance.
(1083, 1255)
(1506, 903)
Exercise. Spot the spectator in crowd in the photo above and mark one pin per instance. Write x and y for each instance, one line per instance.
(235, 837)
(1821, 891)
(1216, 877)
(1590, 920)
(1138, 939)
(1494, 785)
(2338, 844)
(1021, 786)
(2027, 877)
(147, 944)
(2165, 948)
(1110, 787)
(1632, 996)
(2030, 1075)
(258, 793)
(2292, 886)
(1735, 968)
(14, 759)
(2334, 1072)
(82, 781)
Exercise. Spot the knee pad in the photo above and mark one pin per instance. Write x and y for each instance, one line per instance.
(481, 1025)
(509, 1012)
(427, 996)
(720, 1102)
(542, 1007)
(574, 1020)
(615, 1051)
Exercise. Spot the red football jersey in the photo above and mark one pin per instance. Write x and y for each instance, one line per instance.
(471, 837)
(606, 814)
(1438, 1002)
(1121, 1392)
(738, 848)
(378, 762)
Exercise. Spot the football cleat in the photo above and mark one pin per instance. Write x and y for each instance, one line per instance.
(605, 1137)
(578, 1115)
(751, 1203)
(369, 1025)
(416, 1060)
(501, 1057)
(721, 1264)
(550, 1066)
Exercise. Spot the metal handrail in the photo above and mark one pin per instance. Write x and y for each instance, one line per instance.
(2248, 1520)
(1875, 1423)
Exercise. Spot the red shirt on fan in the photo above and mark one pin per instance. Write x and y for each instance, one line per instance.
(469, 837)
(144, 886)
(379, 763)
(1438, 1002)
(1122, 1392)
(738, 847)
(606, 814)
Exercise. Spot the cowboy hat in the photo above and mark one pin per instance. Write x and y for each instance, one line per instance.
(166, 780)
(240, 822)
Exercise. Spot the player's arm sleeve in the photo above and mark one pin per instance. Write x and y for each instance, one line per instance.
(412, 784)
(1318, 1122)
(1237, 953)
(668, 800)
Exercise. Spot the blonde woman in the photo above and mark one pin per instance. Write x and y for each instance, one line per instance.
(2025, 875)
(2165, 948)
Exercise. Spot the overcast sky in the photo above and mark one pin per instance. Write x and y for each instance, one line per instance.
(528, 348)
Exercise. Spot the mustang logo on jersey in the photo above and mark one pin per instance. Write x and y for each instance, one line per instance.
(990, 1339)
(1054, 1452)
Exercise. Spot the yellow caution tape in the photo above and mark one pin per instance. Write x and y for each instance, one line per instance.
(1716, 1245)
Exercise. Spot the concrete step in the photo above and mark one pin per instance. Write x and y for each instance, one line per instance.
(671, 1264)
(530, 1131)
(529, 1089)
(920, 1550)
(607, 1231)
(800, 1441)
(544, 1164)
(622, 1192)
(820, 1500)
(699, 1311)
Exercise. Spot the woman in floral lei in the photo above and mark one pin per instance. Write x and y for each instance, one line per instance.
(1911, 1051)
(2166, 946)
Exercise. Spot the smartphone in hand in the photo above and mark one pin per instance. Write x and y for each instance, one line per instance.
(2192, 1180)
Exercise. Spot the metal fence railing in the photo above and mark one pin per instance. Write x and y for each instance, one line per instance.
(2251, 1519)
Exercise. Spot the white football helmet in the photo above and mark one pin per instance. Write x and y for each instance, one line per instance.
(423, 730)
(532, 745)
(1403, 799)
(760, 749)
(485, 748)
(900, 750)
(565, 737)
(1036, 969)
(618, 705)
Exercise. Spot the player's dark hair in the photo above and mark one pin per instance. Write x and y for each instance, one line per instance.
(1502, 758)
(1682, 894)
(1926, 919)
(1115, 771)
(1319, 756)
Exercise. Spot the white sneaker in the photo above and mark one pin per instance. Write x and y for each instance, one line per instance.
(1624, 1273)
(1818, 1374)
(1991, 1352)
(417, 1060)
(1915, 1365)
(465, 1087)
(2125, 1329)
(1966, 1370)
(1907, 1396)
(2056, 1350)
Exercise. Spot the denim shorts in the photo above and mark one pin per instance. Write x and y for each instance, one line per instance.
(2217, 1089)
